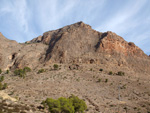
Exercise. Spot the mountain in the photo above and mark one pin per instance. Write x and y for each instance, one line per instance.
(110, 74)
(76, 43)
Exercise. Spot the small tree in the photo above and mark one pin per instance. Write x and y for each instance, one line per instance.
(65, 105)
(79, 105)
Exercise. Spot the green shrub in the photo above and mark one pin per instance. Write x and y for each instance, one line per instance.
(0, 71)
(27, 69)
(100, 69)
(20, 72)
(120, 73)
(99, 80)
(79, 105)
(1, 78)
(106, 80)
(3, 86)
(65, 105)
(110, 73)
(41, 71)
(55, 66)
(7, 71)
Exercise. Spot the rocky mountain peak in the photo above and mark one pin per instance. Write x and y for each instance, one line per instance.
(77, 43)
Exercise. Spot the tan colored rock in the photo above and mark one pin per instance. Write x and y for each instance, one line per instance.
(5, 96)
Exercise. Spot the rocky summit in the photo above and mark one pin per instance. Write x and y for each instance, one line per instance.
(110, 74)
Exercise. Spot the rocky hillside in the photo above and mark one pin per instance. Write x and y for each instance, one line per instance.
(76, 43)
(110, 74)
(15, 55)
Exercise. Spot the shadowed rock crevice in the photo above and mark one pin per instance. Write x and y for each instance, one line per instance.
(52, 43)
(100, 40)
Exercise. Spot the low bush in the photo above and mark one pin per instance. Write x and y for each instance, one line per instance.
(41, 71)
(0, 71)
(99, 80)
(110, 73)
(65, 105)
(106, 80)
(20, 72)
(120, 73)
(2, 86)
(7, 71)
(1, 78)
(100, 69)
(55, 66)
(27, 69)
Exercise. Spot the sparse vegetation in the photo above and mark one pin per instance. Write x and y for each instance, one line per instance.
(7, 71)
(20, 73)
(106, 80)
(110, 73)
(65, 105)
(1, 78)
(27, 69)
(101, 70)
(0, 71)
(55, 66)
(99, 80)
(41, 71)
(123, 87)
(120, 73)
(78, 79)
(2, 86)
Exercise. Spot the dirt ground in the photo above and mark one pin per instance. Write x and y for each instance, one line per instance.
(103, 93)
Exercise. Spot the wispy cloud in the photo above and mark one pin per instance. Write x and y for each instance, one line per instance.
(23, 20)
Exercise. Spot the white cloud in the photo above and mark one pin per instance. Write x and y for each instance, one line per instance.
(122, 20)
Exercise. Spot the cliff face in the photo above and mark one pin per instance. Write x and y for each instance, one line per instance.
(79, 43)
(14, 55)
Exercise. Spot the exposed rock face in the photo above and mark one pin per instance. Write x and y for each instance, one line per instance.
(77, 43)
(80, 39)
(15, 55)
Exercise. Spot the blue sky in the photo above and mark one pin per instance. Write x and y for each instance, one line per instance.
(23, 20)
